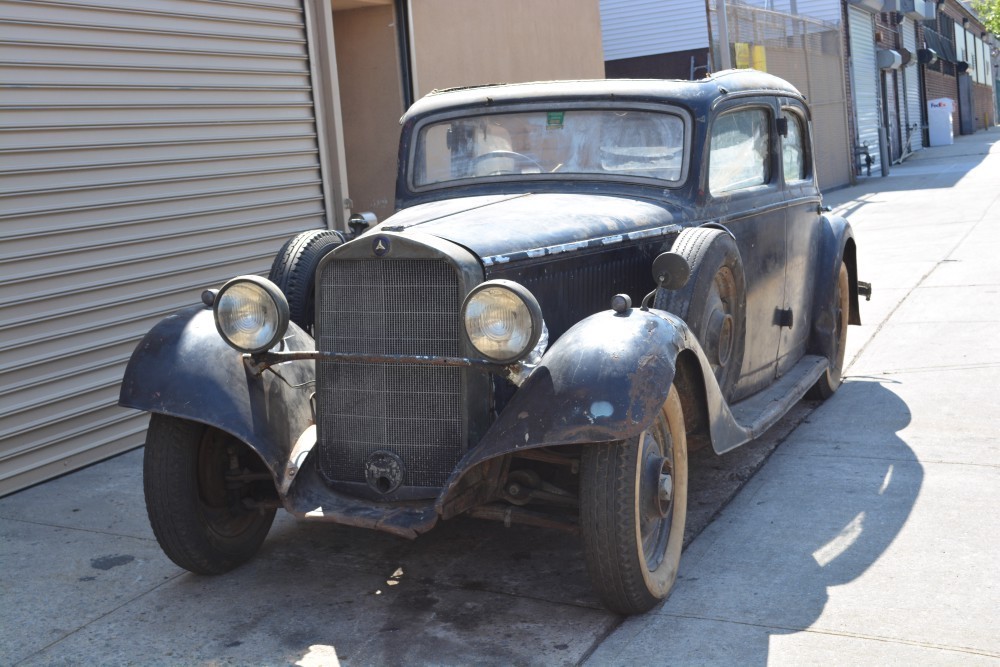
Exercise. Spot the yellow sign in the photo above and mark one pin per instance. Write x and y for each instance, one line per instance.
(742, 60)
(750, 55)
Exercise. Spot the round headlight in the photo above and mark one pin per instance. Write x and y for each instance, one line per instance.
(502, 320)
(251, 313)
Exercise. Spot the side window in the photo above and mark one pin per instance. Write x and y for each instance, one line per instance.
(793, 149)
(739, 156)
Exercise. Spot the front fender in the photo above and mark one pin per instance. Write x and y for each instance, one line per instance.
(603, 380)
(183, 368)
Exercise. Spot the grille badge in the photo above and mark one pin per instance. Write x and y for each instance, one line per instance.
(384, 471)
(381, 246)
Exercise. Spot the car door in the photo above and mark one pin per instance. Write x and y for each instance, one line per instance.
(744, 185)
(802, 231)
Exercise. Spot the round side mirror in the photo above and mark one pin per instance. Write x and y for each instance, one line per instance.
(671, 271)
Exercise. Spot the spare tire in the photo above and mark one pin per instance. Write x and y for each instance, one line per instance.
(713, 302)
(294, 271)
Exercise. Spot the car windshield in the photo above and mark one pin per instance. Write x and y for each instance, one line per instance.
(542, 143)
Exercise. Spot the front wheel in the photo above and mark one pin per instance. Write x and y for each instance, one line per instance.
(207, 495)
(633, 506)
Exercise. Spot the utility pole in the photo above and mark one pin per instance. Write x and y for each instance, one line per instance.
(725, 59)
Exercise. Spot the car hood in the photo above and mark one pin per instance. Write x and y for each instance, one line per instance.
(498, 226)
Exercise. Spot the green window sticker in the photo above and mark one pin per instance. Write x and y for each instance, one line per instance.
(554, 120)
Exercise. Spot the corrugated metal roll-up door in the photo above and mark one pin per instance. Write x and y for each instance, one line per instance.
(911, 84)
(864, 80)
(632, 28)
(147, 151)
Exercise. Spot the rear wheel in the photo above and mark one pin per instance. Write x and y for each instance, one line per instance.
(203, 492)
(633, 506)
(831, 378)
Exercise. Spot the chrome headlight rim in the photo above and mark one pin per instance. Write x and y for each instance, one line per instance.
(531, 305)
(269, 291)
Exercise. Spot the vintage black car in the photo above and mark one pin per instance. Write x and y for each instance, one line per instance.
(583, 281)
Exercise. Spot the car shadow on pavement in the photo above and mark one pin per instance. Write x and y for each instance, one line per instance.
(823, 511)
(829, 504)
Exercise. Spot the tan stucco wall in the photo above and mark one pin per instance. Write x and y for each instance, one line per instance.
(466, 42)
(454, 43)
(371, 101)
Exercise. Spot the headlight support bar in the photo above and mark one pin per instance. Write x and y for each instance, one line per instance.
(258, 363)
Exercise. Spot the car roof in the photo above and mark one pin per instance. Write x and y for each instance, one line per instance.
(700, 93)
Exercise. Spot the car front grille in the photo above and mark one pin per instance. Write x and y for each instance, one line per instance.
(389, 306)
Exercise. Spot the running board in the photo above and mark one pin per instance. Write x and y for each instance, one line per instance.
(754, 415)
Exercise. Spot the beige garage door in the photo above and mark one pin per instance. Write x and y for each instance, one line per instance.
(147, 151)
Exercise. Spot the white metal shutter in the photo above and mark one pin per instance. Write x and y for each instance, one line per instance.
(911, 84)
(825, 10)
(864, 79)
(633, 28)
(147, 151)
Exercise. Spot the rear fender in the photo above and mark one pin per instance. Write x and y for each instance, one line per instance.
(836, 246)
(183, 368)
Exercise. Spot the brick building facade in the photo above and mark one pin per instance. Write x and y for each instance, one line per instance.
(962, 46)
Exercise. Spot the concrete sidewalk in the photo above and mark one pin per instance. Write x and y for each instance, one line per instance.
(871, 535)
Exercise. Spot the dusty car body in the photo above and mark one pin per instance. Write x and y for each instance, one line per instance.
(582, 281)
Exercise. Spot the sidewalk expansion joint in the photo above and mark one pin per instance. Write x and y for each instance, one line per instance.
(76, 528)
(601, 638)
(837, 633)
(932, 369)
(891, 459)
(919, 283)
(86, 625)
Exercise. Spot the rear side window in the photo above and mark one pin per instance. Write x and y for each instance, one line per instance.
(739, 155)
(793, 153)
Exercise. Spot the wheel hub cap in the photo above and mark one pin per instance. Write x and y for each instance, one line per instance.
(659, 489)
(666, 488)
(720, 337)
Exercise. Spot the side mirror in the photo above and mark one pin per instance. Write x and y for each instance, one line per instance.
(671, 271)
